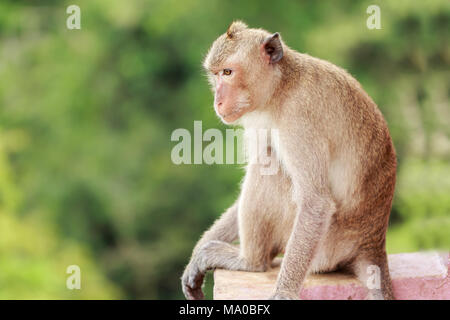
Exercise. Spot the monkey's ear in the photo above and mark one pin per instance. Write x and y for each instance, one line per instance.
(234, 27)
(273, 48)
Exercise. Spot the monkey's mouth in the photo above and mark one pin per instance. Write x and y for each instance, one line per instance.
(229, 114)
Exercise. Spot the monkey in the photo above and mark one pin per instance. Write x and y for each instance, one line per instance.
(328, 206)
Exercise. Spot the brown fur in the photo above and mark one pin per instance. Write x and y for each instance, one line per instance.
(328, 207)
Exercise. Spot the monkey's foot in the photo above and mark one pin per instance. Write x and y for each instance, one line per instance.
(284, 296)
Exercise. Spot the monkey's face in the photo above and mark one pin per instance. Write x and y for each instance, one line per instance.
(241, 67)
(231, 97)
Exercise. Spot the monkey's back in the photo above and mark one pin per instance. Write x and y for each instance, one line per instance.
(360, 155)
(337, 107)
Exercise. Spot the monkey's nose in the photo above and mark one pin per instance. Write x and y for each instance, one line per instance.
(219, 108)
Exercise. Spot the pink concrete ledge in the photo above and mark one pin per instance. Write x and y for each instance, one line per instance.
(415, 276)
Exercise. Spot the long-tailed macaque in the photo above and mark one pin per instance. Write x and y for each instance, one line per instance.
(328, 206)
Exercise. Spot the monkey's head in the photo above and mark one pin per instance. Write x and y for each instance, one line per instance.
(243, 69)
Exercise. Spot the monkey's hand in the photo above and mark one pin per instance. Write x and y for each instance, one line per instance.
(283, 296)
(192, 280)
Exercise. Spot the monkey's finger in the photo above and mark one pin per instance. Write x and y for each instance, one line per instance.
(195, 282)
(194, 294)
(195, 279)
(185, 291)
(192, 289)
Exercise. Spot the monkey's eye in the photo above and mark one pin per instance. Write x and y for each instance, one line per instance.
(227, 72)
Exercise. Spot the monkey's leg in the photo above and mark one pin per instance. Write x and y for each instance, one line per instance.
(260, 215)
(225, 230)
(373, 271)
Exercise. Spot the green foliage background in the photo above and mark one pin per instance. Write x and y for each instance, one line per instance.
(86, 118)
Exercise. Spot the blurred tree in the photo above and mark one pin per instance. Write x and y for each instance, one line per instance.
(33, 258)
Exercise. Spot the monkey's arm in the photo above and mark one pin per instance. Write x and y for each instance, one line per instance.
(224, 230)
(315, 206)
(310, 225)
